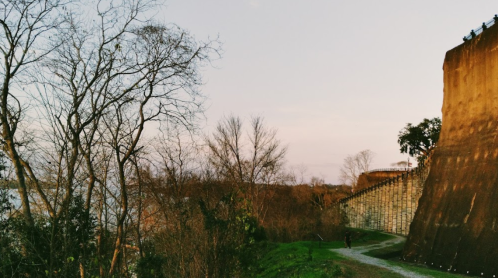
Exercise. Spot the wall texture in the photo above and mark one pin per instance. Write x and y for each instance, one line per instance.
(368, 179)
(456, 225)
(387, 206)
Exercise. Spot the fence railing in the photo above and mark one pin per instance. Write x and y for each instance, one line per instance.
(479, 30)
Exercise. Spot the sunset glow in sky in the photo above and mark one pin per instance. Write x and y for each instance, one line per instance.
(334, 77)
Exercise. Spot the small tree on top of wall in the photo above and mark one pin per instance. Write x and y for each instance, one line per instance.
(419, 140)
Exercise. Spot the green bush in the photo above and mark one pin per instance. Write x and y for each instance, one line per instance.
(151, 266)
(51, 248)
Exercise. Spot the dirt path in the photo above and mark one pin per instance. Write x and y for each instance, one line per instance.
(356, 253)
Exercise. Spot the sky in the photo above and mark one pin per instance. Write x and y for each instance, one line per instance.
(333, 77)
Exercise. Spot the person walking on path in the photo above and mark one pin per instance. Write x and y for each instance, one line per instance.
(347, 240)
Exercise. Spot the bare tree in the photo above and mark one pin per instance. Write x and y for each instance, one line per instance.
(316, 181)
(253, 168)
(78, 83)
(166, 64)
(26, 27)
(296, 174)
(354, 166)
(178, 165)
(101, 80)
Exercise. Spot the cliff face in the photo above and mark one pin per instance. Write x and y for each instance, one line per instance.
(456, 224)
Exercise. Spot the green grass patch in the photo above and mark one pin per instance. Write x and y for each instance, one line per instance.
(311, 259)
(299, 259)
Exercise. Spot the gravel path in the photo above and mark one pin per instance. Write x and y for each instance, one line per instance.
(356, 253)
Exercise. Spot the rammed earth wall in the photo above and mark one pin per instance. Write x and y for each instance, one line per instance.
(368, 179)
(387, 206)
(456, 225)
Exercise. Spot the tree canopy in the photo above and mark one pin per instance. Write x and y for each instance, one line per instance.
(419, 140)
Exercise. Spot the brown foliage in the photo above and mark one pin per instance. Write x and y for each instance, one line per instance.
(300, 212)
(198, 225)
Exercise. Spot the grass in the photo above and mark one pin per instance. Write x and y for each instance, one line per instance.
(393, 253)
(298, 259)
(309, 259)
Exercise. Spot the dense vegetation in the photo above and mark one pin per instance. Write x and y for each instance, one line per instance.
(201, 228)
(106, 171)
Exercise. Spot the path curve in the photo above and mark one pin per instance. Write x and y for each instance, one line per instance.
(356, 253)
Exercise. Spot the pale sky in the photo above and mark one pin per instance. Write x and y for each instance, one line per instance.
(334, 77)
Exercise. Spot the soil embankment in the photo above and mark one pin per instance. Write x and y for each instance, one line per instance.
(456, 222)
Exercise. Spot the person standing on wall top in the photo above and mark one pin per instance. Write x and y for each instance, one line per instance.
(496, 18)
(472, 33)
(347, 240)
(484, 27)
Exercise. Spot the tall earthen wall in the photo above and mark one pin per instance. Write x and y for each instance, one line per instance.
(456, 225)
